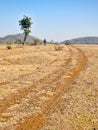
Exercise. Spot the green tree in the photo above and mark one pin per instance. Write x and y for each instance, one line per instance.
(25, 24)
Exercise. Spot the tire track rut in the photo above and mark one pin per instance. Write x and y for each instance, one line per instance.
(36, 121)
(22, 93)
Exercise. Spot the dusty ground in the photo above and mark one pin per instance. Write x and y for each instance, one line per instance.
(41, 88)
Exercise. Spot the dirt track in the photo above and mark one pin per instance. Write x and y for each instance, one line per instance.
(35, 93)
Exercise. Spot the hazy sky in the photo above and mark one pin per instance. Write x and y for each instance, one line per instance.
(56, 20)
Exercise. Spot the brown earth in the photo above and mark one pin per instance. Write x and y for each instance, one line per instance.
(41, 88)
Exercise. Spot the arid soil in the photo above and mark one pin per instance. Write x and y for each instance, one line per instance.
(45, 89)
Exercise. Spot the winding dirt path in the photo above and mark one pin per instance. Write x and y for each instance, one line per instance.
(38, 120)
(27, 108)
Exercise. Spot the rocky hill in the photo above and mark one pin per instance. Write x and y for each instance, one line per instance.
(84, 40)
(15, 37)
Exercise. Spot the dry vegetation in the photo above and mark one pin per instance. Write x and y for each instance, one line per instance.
(47, 88)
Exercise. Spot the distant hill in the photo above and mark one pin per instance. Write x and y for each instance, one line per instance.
(14, 38)
(30, 39)
(84, 40)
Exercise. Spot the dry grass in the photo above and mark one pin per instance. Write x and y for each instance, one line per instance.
(37, 89)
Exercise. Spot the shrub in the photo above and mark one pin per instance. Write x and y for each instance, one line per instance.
(19, 41)
(9, 47)
(58, 48)
(67, 42)
(36, 42)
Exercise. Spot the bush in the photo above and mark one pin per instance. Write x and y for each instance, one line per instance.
(9, 47)
(19, 41)
(58, 48)
(36, 42)
(68, 42)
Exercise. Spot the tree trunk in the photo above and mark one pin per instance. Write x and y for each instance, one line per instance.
(25, 37)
